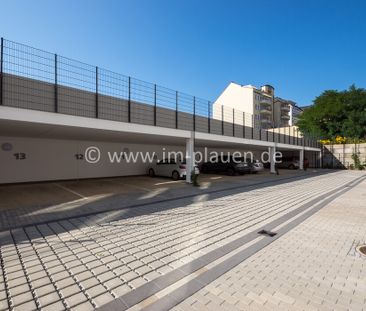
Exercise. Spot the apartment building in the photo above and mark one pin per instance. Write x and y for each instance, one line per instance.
(256, 103)
(285, 112)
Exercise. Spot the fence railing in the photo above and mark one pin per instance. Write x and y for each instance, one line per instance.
(36, 79)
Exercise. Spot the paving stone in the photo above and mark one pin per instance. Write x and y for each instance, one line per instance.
(22, 298)
(103, 299)
(319, 253)
(96, 290)
(152, 240)
(76, 299)
(49, 299)
(56, 306)
(44, 290)
(84, 306)
(28, 306)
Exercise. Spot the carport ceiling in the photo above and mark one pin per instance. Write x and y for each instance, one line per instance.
(222, 144)
(48, 131)
(29, 129)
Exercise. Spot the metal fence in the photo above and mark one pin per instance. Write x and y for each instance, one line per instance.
(36, 79)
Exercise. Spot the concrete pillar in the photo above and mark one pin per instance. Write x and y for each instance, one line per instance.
(301, 159)
(189, 157)
(320, 159)
(272, 157)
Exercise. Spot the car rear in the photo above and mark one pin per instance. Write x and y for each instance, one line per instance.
(257, 167)
(240, 165)
(182, 169)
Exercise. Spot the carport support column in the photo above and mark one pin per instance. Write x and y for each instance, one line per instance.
(272, 158)
(189, 157)
(301, 159)
(321, 152)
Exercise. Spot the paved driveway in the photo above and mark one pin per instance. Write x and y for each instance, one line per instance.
(127, 258)
(23, 204)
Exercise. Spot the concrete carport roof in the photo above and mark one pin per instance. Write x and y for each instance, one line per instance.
(32, 123)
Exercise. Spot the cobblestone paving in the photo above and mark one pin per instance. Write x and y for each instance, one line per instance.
(26, 204)
(313, 267)
(82, 263)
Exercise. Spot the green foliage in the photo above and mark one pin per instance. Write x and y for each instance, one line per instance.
(357, 162)
(335, 114)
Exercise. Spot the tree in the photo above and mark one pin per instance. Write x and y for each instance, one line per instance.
(336, 113)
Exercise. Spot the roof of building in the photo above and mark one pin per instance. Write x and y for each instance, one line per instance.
(288, 101)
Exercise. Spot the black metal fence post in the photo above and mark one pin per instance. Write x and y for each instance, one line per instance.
(56, 86)
(1, 70)
(321, 156)
(209, 116)
(222, 120)
(194, 113)
(252, 126)
(129, 99)
(96, 93)
(243, 124)
(233, 122)
(176, 109)
(260, 130)
(154, 104)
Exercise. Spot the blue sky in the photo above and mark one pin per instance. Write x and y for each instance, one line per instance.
(198, 47)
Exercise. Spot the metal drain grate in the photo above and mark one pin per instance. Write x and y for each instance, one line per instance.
(267, 233)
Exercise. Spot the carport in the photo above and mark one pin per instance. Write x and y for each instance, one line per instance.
(53, 145)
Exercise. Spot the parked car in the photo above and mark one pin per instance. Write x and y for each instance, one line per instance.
(226, 164)
(289, 163)
(170, 168)
(256, 166)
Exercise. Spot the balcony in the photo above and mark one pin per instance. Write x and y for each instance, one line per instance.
(265, 101)
(266, 121)
(285, 117)
(266, 110)
(285, 108)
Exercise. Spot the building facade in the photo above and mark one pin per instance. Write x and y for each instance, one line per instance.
(256, 103)
(286, 112)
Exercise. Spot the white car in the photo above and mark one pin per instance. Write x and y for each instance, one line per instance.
(170, 168)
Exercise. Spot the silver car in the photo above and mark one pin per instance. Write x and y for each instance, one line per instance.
(256, 167)
(170, 168)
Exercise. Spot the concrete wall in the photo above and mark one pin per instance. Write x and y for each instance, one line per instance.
(57, 159)
(341, 155)
(39, 95)
(27, 93)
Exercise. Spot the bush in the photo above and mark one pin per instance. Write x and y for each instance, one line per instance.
(357, 162)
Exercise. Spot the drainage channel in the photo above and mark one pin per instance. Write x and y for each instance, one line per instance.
(147, 294)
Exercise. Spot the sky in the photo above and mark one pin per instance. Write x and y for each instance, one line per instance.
(199, 46)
